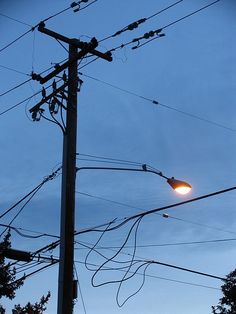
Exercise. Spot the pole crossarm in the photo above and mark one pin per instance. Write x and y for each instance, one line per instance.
(47, 98)
(84, 46)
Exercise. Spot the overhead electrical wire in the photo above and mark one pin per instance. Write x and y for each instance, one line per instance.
(74, 4)
(166, 244)
(14, 70)
(157, 32)
(133, 262)
(30, 195)
(20, 231)
(163, 264)
(155, 210)
(80, 290)
(15, 20)
(126, 219)
(135, 25)
(147, 275)
(157, 103)
(110, 159)
(26, 99)
(162, 278)
(162, 215)
(23, 83)
(21, 209)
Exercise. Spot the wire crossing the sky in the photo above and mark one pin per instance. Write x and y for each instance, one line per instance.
(155, 102)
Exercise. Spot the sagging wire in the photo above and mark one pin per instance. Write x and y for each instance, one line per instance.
(174, 22)
(24, 235)
(80, 290)
(32, 28)
(155, 102)
(155, 210)
(130, 263)
(164, 278)
(157, 33)
(135, 25)
(109, 159)
(26, 99)
(29, 195)
(139, 264)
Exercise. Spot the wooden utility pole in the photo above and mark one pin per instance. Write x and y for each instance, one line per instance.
(65, 284)
(66, 293)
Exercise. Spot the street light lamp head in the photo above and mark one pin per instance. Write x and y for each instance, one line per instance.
(179, 186)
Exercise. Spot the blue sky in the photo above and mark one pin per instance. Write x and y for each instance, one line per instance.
(191, 69)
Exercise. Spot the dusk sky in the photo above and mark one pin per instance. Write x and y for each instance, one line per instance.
(189, 135)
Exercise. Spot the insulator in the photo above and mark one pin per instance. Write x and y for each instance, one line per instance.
(53, 107)
(35, 116)
(76, 10)
(141, 21)
(64, 77)
(35, 77)
(73, 4)
(149, 34)
(94, 42)
(158, 31)
(43, 92)
(54, 85)
(132, 26)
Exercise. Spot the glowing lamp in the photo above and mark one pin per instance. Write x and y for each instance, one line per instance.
(179, 186)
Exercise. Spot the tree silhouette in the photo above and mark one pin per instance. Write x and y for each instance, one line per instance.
(227, 304)
(9, 284)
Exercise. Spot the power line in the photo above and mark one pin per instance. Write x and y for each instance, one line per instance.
(13, 70)
(179, 20)
(166, 244)
(80, 290)
(155, 210)
(26, 99)
(135, 25)
(155, 102)
(157, 277)
(46, 179)
(190, 14)
(46, 19)
(162, 215)
(16, 20)
(19, 230)
(15, 40)
(157, 32)
(110, 159)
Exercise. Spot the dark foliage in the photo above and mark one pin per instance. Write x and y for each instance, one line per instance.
(9, 285)
(227, 304)
(8, 282)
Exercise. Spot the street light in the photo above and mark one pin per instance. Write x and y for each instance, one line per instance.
(179, 186)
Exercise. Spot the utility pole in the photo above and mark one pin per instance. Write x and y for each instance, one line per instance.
(65, 284)
(66, 293)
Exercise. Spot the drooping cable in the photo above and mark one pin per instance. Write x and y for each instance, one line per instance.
(135, 25)
(15, 20)
(177, 21)
(30, 195)
(162, 215)
(32, 28)
(157, 103)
